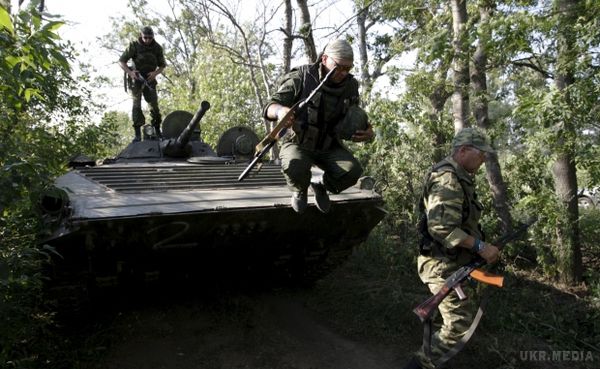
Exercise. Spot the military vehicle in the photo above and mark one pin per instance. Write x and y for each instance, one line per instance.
(588, 198)
(174, 206)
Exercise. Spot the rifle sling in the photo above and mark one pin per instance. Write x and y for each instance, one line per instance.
(460, 344)
(427, 337)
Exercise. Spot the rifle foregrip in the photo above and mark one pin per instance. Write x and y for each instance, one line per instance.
(485, 277)
(264, 143)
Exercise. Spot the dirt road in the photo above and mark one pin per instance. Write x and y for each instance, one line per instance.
(266, 330)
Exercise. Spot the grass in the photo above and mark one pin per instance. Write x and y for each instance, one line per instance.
(371, 297)
(530, 323)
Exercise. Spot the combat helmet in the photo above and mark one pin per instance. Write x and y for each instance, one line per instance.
(355, 119)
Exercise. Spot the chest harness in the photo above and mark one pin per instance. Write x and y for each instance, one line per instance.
(314, 126)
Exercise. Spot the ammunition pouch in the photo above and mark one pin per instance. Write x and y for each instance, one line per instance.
(312, 138)
(309, 134)
(426, 242)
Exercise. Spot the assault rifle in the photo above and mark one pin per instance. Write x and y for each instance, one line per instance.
(138, 76)
(144, 81)
(426, 309)
(280, 129)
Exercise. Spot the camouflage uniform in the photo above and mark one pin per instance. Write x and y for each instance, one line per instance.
(453, 213)
(146, 58)
(315, 138)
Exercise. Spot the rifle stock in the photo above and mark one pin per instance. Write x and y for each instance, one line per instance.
(281, 128)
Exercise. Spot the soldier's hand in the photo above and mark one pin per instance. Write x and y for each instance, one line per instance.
(281, 113)
(490, 253)
(152, 76)
(362, 136)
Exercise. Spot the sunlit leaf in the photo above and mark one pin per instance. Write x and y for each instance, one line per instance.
(52, 26)
(12, 60)
(5, 21)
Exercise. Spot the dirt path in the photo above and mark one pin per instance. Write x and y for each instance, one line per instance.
(266, 330)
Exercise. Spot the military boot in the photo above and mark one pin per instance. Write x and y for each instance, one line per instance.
(321, 197)
(299, 201)
(157, 130)
(138, 134)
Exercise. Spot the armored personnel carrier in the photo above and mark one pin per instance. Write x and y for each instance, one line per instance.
(174, 206)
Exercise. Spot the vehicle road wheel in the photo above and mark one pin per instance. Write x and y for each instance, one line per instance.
(585, 202)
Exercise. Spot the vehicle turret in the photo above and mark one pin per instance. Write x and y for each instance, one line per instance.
(180, 146)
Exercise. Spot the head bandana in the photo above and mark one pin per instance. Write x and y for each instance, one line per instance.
(339, 49)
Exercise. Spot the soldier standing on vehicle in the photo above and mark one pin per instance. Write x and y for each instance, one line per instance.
(148, 62)
(332, 114)
(452, 237)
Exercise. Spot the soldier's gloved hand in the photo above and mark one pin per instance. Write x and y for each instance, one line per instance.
(362, 136)
(490, 253)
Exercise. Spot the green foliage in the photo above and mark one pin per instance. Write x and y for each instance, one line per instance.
(42, 122)
(397, 159)
(112, 134)
(533, 121)
(590, 248)
(33, 63)
(226, 86)
(372, 295)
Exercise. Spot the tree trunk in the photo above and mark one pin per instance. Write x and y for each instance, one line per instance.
(288, 39)
(438, 99)
(367, 83)
(306, 31)
(480, 111)
(568, 249)
(460, 77)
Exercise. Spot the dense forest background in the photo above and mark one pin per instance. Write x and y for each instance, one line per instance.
(527, 72)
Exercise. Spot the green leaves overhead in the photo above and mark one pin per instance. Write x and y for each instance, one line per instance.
(5, 21)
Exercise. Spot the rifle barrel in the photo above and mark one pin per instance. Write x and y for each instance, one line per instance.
(255, 160)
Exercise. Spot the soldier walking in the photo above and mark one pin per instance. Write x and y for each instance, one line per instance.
(454, 238)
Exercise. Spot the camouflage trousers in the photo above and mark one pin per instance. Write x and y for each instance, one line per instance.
(456, 315)
(150, 96)
(341, 169)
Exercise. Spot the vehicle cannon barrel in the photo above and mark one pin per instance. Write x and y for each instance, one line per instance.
(179, 147)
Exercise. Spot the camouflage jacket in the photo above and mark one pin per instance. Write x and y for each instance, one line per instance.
(146, 58)
(451, 206)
